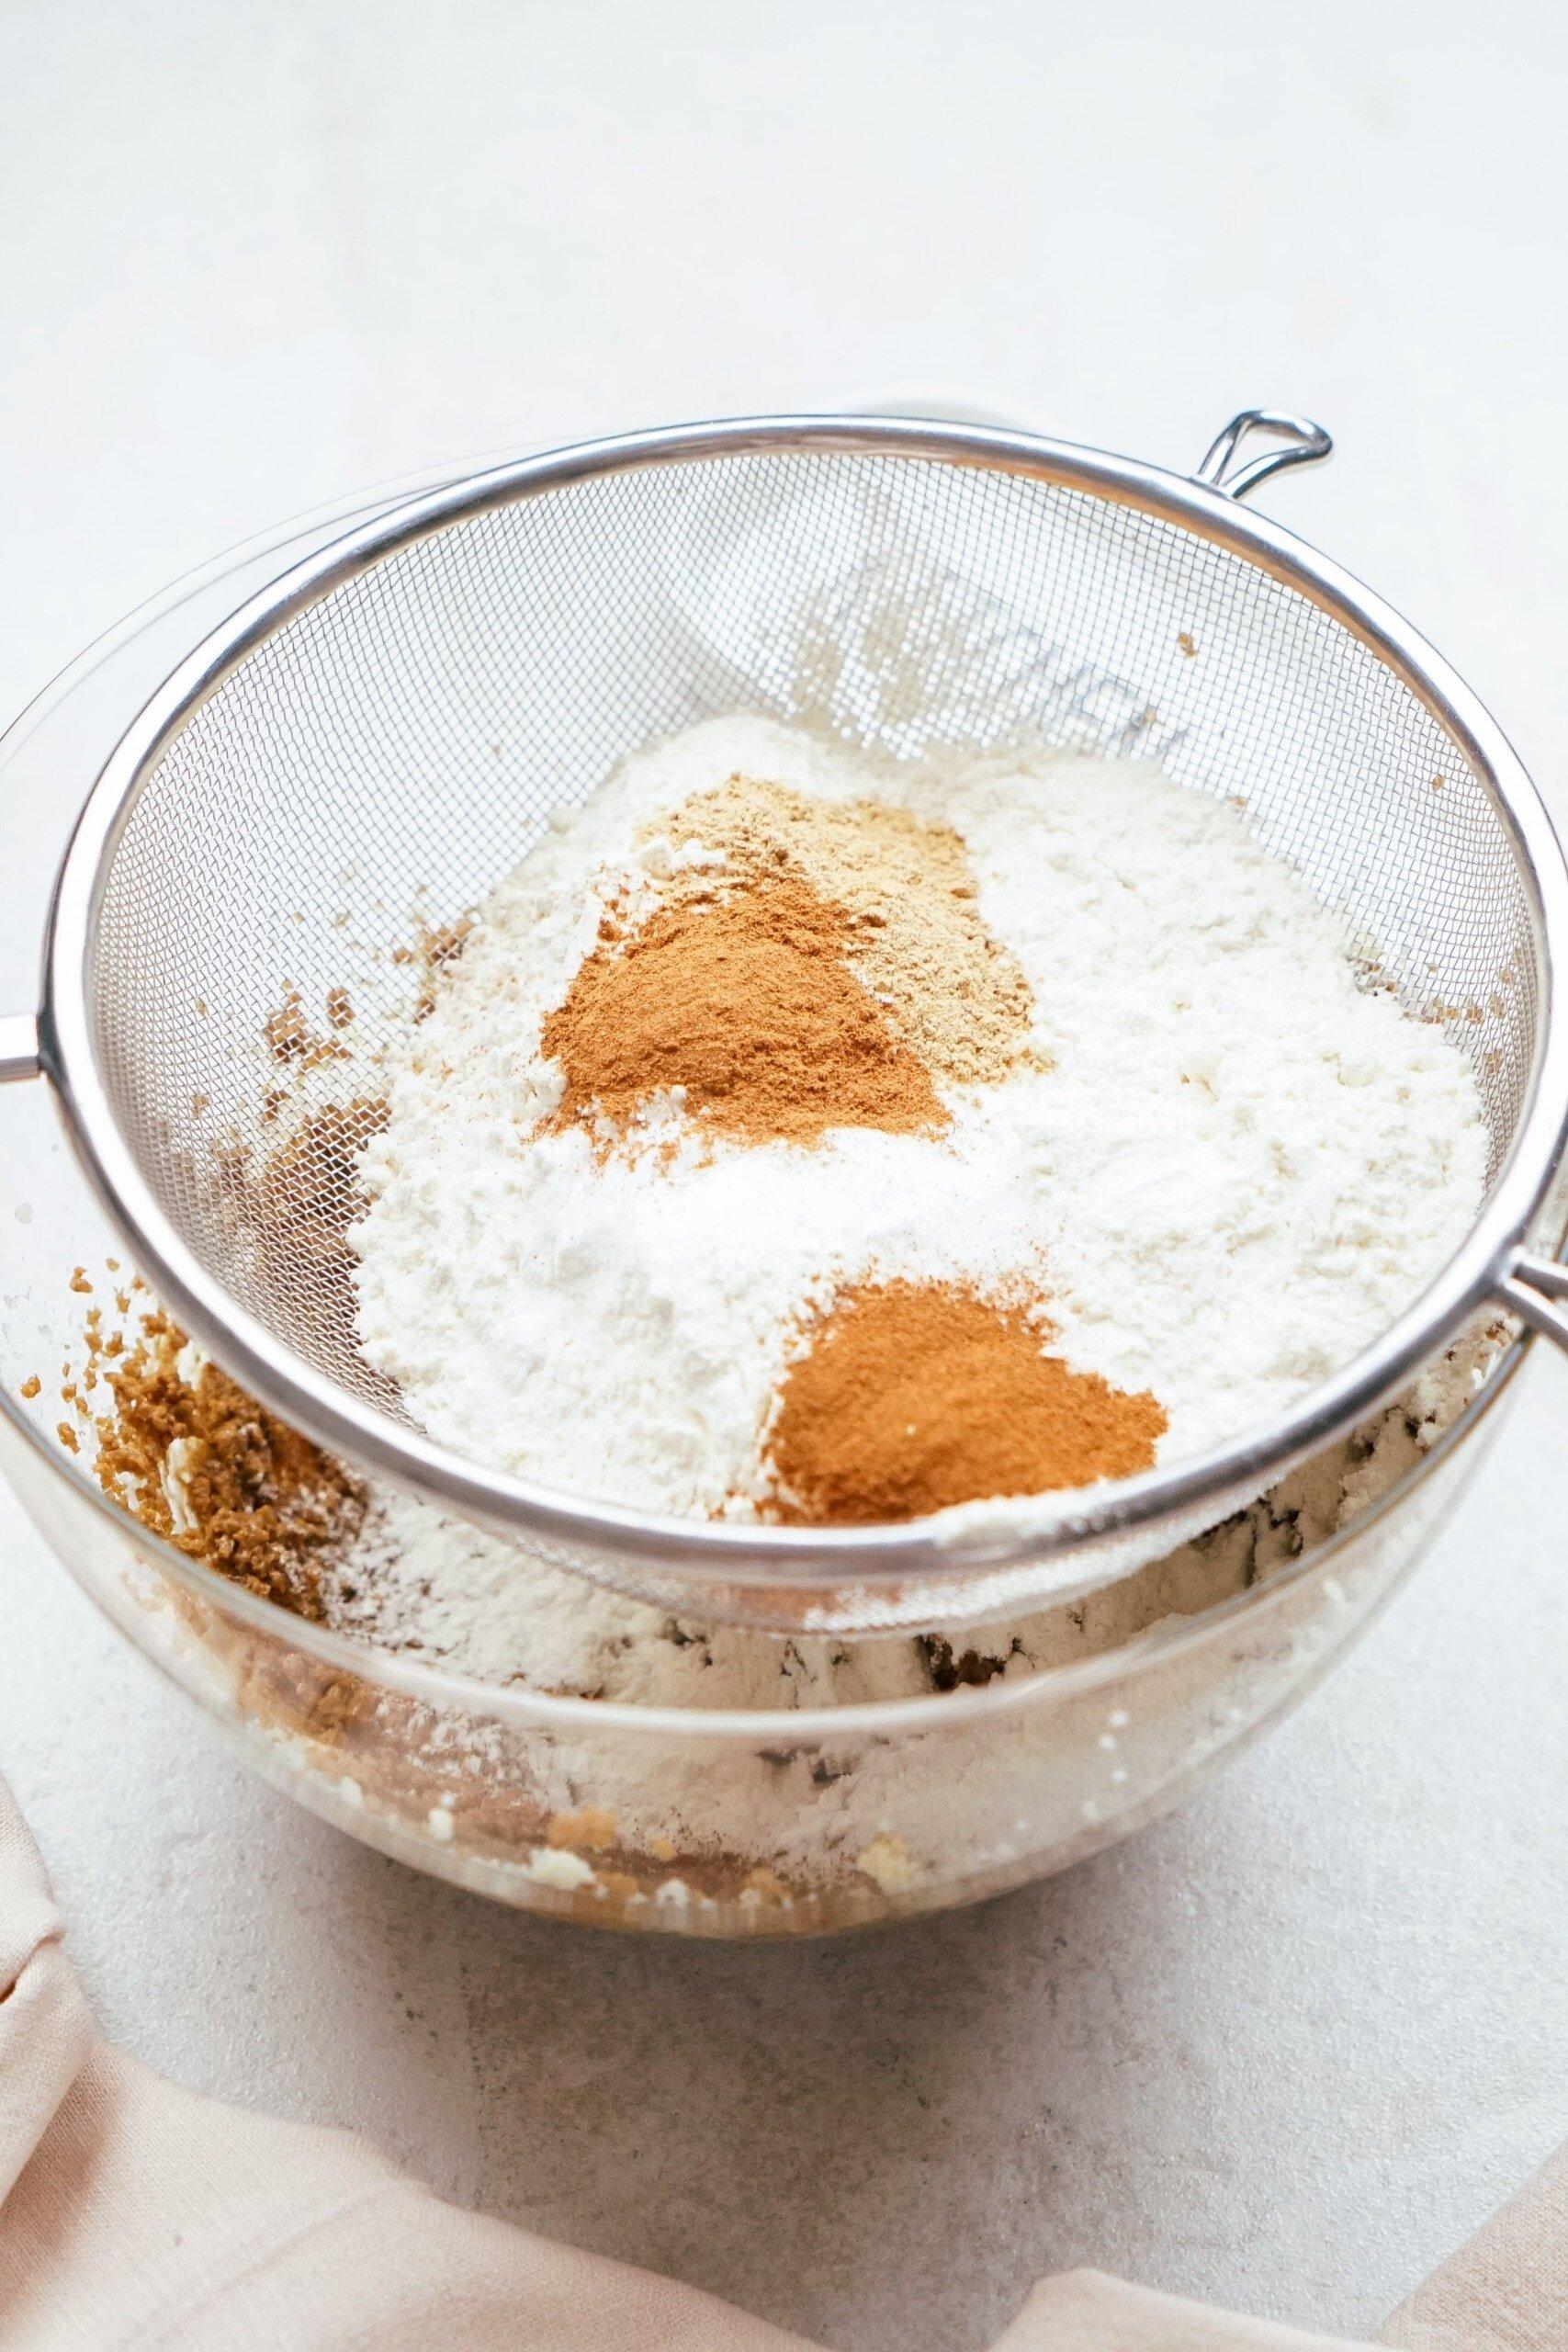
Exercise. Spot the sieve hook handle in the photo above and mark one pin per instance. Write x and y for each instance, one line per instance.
(1534, 1287)
(19, 1055)
(1298, 442)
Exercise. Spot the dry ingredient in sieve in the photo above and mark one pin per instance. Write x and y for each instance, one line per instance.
(908, 1397)
(918, 940)
(748, 1002)
(809, 965)
(596, 1226)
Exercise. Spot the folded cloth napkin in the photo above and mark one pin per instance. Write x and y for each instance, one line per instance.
(134, 2214)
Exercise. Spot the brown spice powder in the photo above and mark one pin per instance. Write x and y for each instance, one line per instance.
(833, 968)
(911, 1397)
(263, 1505)
(919, 941)
(745, 998)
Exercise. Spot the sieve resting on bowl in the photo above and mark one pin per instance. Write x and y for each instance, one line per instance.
(379, 735)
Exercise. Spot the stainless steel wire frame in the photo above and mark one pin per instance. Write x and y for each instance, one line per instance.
(399, 714)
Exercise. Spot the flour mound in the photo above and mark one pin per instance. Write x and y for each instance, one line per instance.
(1226, 1163)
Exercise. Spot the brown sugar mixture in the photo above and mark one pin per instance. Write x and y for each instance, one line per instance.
(436, 950)
(302, 1203)
(290, 1038)
(911, 1397)
(199, 1462)
(824, 969)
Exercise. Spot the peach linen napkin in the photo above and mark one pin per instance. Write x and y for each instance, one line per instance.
(136, 2214)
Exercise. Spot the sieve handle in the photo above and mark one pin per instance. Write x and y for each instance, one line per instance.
(1533, 1286)
(19, 1047)
(1298, 442)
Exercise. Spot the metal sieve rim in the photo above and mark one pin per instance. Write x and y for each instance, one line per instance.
(1491, 1264)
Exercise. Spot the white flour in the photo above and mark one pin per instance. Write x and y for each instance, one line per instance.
(1240, 1165)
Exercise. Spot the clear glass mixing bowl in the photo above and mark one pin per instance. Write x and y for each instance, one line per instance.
(675, 1819)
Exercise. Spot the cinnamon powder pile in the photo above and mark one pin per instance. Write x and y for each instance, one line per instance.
(909, 1397)
(821, 966)
(746, 998)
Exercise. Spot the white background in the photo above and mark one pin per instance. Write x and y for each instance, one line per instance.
(1284, 2050)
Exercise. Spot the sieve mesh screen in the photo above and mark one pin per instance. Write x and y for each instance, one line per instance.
(371, 769)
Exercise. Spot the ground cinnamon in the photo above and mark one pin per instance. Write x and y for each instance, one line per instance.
(745, 998)
(815, 965)
(919, 939)
(909, 1397)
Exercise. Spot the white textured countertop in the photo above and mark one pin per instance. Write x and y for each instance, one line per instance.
(1286, 2048)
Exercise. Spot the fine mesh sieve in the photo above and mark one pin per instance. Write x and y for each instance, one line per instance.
(337, 774)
